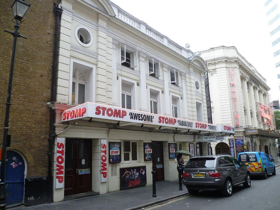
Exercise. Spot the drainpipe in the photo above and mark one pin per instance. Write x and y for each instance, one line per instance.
(57, 12)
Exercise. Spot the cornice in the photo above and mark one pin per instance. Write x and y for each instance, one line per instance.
(120, 39)
(154, 80)
(242, 67)
(128, 70)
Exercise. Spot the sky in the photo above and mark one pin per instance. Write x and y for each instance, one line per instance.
(211, 23)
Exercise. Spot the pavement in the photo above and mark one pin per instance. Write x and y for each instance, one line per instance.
(131, 199)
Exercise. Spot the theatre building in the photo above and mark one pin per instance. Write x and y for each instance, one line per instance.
(239, 95)
(127, 98)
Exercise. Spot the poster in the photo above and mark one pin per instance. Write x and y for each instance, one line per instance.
(103, 170)
(209, 149)
(191, 145)
(231, 147)
(239, 145)
(172, 148)
(132, 177)
(197, 149)
(148, 151)
(114, 152)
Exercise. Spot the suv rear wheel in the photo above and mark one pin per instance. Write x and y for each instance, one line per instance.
(227, 190)
(247, 182)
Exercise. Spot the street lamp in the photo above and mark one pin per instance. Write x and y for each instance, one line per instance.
(19, 9)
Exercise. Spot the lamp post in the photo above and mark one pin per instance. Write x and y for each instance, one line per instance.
(19, 9)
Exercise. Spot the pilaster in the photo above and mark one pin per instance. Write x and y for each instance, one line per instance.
(143, 83)
(166, 91)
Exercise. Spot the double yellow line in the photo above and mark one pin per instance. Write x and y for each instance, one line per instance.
(172, 201)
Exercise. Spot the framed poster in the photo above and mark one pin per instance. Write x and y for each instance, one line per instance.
(209, 149)
(239, 145)
(172, 148)
(148, 151)
(231, 147)
(132, 177)
(114, 152)
(191, 148)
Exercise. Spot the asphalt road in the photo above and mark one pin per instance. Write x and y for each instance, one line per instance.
(264, 194)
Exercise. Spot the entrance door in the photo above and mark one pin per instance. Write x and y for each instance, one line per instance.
(14, 178)
(77, 166)
(222, 148)
(158, 160)
(266, 149)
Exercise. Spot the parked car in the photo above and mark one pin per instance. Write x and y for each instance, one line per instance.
(258, 163)
(218, 172)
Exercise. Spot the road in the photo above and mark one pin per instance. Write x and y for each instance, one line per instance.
(264, 194)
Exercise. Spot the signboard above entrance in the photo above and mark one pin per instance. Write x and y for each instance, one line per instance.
(100, 111)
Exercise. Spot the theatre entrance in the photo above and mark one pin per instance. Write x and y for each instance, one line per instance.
(158, 166)
(77, 166)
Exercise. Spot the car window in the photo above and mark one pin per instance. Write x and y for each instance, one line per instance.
(236, 162)
(248, 158)
(201, 163)
(225, 161)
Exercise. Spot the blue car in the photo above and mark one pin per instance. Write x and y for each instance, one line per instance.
(258, 163)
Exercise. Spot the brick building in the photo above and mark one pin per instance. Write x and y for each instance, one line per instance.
(29, 115)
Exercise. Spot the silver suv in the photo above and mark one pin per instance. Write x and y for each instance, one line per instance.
(218, 172)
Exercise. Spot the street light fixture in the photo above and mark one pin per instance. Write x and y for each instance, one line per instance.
(19, 9)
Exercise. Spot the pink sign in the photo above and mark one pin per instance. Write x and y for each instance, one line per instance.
(265, 114)
(233, 95)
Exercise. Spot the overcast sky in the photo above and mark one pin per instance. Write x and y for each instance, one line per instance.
(211, 23)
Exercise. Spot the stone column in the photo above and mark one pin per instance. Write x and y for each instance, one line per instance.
(253, 106)
(257, 106)
(114, 75)
(143, 89)
(166, 90)
(262, 102)
(185, 104)
(246, 99)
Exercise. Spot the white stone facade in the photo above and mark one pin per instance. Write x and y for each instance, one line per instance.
(236, 89)
(108, 57)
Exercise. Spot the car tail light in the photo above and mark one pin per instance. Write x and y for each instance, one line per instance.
(260, 165)
(186, 175)
(214, 174)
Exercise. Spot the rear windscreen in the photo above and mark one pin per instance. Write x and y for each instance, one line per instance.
(201, 163)
(247, 158)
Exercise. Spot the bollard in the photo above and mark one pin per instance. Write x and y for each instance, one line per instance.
(180, 177)
(154, 184)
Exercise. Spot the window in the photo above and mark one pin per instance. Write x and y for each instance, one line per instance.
(199, 112)
(275, 31)
(129, 151)
(128, 57)
(153, 68)
(272, 9)
(80, 89)
(83, 36)
(201, 163)
(174, 76)
(274, 19)
(175, 106)
(225, 161)
(276, 53)
(81, 86)
(154, 101)
(126, 96)
(267, 2)
(277, 64)
(196, 85)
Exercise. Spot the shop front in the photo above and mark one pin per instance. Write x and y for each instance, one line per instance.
(100, 148)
